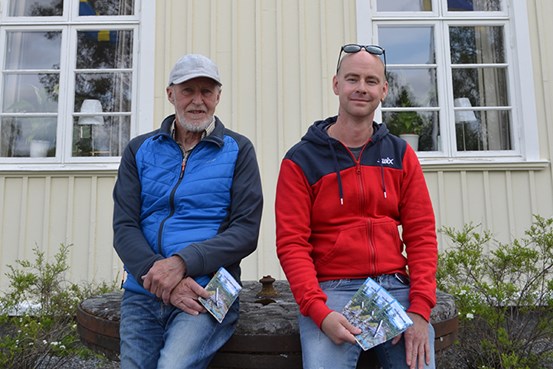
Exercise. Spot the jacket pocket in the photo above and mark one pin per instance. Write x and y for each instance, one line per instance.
(350, 251)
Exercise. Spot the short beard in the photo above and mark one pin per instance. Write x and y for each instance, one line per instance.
(192, 127)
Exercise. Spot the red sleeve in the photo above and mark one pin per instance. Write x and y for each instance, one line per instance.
(293, 213)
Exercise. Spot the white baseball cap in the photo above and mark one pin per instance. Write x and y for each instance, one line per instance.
(193, 66)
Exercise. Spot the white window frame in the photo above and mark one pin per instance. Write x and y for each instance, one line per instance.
(143, 26)
(521, 84)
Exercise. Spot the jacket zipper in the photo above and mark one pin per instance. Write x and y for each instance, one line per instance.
(171, 203)
(363, 202)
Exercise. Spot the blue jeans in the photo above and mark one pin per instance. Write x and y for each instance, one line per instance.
(319, 352)
(158, 336)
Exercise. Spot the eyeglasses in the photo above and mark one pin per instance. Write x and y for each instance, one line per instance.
(355, 48)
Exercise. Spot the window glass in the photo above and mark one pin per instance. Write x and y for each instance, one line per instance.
(411, 87)
(476, 44)
(408, 44)
(96, 131)
(403, 5)
(482, 130)
(33, 50)
(483, 86)
(36, 8)
(479, 79)
(412, 83)
(99, 49)
(103, 85)
(473, 5)
(92, 74)
(438, 59)
(32, 78)
(106, 7)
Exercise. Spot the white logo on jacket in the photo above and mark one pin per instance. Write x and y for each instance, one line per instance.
(387, 161)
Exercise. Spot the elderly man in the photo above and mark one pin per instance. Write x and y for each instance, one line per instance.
(187, 201)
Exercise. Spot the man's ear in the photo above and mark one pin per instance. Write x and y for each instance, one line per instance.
(170, 95)
(384, 91)
(335, 85)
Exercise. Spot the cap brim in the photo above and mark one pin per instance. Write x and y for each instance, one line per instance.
(192, 76)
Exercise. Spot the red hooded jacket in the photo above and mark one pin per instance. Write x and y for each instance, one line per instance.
(337, 217)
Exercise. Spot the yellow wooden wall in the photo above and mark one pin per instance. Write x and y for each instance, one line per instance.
(276, 60)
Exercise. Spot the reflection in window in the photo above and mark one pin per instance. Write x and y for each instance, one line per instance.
(36, 8)
(403, 5)
(106, 7)
(418, 86)
(480, 80)
(30, 109)
(422, 126)
(476, 78)
(103, 76)
(478, 44)
(92, 74)
(474, 5)
(408, 44)
(100, 49)
(412, 82)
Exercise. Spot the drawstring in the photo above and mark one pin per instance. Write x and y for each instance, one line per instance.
(339, 177)
(337, 169)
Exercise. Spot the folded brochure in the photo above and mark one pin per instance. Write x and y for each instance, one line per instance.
(377, 314)
(223, 290)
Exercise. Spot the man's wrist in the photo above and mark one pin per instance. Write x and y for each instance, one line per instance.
(183, 265)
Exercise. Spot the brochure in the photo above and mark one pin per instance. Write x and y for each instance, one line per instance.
(223, 289)
(377, 314)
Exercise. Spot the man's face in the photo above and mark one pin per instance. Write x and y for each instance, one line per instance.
(360, 84)
(195, 102)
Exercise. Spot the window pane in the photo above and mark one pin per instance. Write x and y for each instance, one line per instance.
(30, 93)
(477, 45)
(403, 5)
(112, 89)
(101, 49)
(483, 130)
(30, 98)
(107, 137)
(103, 134)
(474, 5)
(411, 88)
(33, 50)
(106, 7)
(483, 86)
(36, 8)
(408, 44)
(422, 123)
(24, 136)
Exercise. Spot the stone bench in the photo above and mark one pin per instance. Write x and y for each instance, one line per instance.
(266, 334)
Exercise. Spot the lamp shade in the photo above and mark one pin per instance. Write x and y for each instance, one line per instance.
(90, 109)
(463, 115)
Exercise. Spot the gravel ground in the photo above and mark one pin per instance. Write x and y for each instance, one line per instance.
(76, 363)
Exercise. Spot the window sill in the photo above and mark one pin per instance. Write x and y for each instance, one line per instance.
(58, 168)
(481, 164)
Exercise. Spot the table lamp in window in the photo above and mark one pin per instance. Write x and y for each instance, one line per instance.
(91, 111)
(467, 126)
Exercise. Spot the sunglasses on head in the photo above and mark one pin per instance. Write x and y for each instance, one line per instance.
(355, 48)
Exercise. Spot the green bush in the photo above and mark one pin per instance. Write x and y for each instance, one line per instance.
(37, 313)
(504, 296)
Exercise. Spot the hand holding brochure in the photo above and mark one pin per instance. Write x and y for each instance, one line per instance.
(223, 289)
(377, 313)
